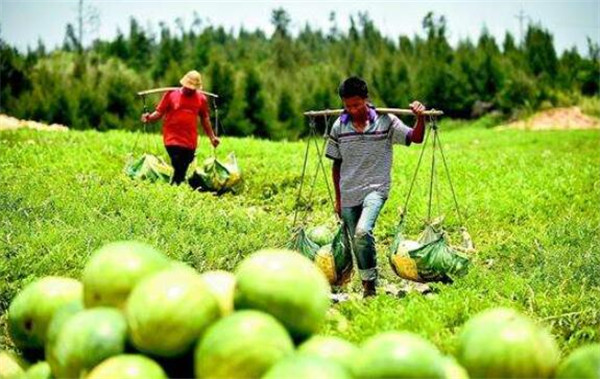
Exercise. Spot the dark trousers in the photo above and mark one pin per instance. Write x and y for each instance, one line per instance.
(181, 158)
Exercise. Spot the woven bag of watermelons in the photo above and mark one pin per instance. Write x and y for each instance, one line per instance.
(148, 167)
(430, 259)
(218, 176)
(304, 245)
(327, 250)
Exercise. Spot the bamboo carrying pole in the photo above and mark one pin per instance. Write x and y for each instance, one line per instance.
(165, 89)
(396, 111)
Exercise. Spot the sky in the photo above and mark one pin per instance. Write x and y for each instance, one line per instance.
(23, 22)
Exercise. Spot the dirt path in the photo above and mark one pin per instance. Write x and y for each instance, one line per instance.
(556, 119)
(10, 123)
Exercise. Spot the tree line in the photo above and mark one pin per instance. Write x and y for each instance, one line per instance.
(266, 82)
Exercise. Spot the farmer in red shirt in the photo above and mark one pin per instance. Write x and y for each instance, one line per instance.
(181, 109)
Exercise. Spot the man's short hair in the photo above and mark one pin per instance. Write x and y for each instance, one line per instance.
(353, 86)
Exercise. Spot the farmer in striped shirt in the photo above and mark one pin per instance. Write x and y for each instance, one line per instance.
(361, 145)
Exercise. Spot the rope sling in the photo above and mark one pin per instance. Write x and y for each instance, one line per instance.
(148, 166)
(433, 127)
(432, 257)
(312, 137)
(326, 248)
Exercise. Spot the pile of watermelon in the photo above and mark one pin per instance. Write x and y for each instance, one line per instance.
(137, 314)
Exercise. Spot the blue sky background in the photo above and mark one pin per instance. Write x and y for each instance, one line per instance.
(22, 22)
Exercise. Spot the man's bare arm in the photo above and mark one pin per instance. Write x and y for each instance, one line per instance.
(418, 131)
(335, 173)
(151, 117)
(208, 130)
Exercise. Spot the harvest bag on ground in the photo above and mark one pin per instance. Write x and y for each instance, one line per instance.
(149, 167)
(217, 176)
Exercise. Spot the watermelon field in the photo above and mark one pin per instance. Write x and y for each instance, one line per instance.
(529, 200)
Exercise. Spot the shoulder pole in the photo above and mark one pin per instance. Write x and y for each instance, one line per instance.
(396, 111)
(166, 89)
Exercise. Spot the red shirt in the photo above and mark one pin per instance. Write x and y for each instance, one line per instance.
(180, 127)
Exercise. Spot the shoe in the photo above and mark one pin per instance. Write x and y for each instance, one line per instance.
(339, 297)
(369, 288)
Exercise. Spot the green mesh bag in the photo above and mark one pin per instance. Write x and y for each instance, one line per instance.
(430, 259)
(149, 167)
(304, 245)
(217, 176)
(333, 259)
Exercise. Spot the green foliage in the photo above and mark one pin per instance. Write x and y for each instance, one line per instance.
(118, 48)
(140, 46)
(13, 76)
(590, 70)
(591, 106)
(120, 86)
(262, 79)
(540, 52)
(520, 92)
(221, 80)
(288, 114)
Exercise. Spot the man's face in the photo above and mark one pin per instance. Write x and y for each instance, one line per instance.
(356, 106)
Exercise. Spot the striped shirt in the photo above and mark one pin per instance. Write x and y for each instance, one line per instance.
(366, 158)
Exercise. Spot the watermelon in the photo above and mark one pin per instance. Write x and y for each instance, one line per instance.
(398, 355)
(86, 339)
(222, 285)
(39, 370)
(242, 345)
(321, 235)
(168, 311)
(32, 309)
(128, 366)
(307, 367)
(582, 363)
(12, 365)
(502, 343)
(331, 348)
(113, 270)
(286, 285)
(61, 316)
(453, 370)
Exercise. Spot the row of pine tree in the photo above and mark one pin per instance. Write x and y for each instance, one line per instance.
(266, 82)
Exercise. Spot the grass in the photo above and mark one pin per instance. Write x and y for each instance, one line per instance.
(590, 105)
(530, 200)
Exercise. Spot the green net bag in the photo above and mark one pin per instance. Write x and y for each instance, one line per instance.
(332, 257)
(149, 167)
(429, 259)
(217, 176)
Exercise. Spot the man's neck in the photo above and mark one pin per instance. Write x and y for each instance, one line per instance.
(368, 116)
(187, 92)
(360, 122)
